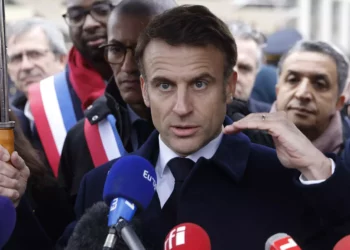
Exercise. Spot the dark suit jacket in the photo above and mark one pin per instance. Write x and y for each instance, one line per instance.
(241, 197)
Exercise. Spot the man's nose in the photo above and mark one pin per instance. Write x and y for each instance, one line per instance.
(303, 89)
(129, 64)
(183, 105)
(26, 63)
(90, 24)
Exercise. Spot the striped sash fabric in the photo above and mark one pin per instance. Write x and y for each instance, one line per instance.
(52, 108)
(103, 140)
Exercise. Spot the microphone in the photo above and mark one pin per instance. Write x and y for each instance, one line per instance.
(281, 241)
(90, 232)
(130, 185)
(7, 220)
(187, 236)
(343, 244)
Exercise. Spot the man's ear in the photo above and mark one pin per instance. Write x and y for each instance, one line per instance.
(63, 59)
(340, 102)
(144, 91)
(231, 86)
(277, 88)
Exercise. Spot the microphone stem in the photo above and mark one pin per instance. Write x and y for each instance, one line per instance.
(131, 239)
(111, 239)
(129, 236)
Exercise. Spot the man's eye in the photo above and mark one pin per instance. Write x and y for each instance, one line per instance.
(244, 69)
(165, 86)
(321, 84)
(76, 15)
(292, 79)
(102, 9)
(200, 85)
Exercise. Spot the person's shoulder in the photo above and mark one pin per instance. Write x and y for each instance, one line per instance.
(99, 173)
(76, 133)
(263, 156)
(18, 113)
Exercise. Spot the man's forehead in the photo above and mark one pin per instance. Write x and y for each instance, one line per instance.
(309, 61)
(117, 21)
(247, 50)
(166, 60)
(35, 38)
(85, 3)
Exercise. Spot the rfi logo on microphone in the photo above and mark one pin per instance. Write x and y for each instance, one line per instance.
(179, 238)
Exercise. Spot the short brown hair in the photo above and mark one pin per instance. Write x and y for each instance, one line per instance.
(192, 25)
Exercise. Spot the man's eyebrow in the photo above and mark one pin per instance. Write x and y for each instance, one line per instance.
(159, 79)
(114, 41)
(76, 7)
(313, 74)
(203, 75)
(289, 71)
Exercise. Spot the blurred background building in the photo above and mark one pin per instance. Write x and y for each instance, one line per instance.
(315, 19)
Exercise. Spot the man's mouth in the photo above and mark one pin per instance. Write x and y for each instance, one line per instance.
(302, 110)
(96, 42)
(130, 83)
(31, 80)
(184, 131)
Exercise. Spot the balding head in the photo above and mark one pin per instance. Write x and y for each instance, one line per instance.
(144, 7)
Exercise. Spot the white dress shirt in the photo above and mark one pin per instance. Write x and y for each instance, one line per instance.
(28, 113)
(166, 180)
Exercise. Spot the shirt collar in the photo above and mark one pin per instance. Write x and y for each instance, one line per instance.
(28, 112)
(166, 154)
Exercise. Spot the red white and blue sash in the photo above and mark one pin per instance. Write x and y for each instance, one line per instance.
(52, 108)
(103, 140)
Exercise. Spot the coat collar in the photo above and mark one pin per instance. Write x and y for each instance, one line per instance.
(232, 154)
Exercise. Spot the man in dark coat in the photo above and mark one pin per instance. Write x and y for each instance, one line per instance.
(122, 99)
(239, 192)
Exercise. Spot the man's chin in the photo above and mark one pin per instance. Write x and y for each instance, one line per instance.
(92, 54)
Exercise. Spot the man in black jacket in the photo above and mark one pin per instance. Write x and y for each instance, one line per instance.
(241, 193)
(118, 122)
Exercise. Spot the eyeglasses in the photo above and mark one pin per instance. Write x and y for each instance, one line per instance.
(114, 53)
(32, 55)
(76, 16)
(238, 28)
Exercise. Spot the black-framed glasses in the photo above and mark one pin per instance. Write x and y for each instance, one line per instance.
(239, 28)
(114, 53)
(76, 16)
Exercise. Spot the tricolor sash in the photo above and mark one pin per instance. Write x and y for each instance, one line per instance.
(52, 108)
(103, 140)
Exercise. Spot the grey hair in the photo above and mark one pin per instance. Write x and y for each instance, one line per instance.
(53, 33)
(244, 31)
(341, 61)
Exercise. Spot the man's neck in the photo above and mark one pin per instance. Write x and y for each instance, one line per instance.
(141, 110)
(313, 133)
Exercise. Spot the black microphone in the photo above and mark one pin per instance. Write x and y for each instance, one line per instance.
(91, 231)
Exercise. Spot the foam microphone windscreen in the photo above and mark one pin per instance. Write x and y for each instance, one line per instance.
(187, 236)
(132, 178)
(91, 230)
(343, 244)
(281, 241)
(7, 220)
